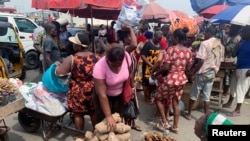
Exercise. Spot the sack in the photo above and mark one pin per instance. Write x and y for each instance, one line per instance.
(127, 91)
(129, 110)
(189, 23)
(52, 82)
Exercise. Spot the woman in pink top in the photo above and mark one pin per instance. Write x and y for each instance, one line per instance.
(110, 73)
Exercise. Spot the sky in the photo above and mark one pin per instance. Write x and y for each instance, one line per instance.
(24, 6)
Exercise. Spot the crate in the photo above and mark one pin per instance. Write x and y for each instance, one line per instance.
(12, 107)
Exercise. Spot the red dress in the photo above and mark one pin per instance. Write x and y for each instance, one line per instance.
(174, 82)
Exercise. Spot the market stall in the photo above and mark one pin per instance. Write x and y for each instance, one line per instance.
(10, 102)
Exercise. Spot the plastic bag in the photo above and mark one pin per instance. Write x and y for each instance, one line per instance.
(131, 12)
(49, 103)
(129, 110)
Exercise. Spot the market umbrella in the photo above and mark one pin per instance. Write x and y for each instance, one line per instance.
(198, 19)
(107, 10)
(82, 8)
(154, 11)
(238, 15)
(180, 14)
(171, 17)
(39, 4)
(213, 10)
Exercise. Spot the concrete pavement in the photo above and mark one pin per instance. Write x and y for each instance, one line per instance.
(146, 120)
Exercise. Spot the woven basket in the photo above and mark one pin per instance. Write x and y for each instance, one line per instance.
(186, 94)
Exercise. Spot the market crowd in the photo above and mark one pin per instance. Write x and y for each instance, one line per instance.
(159, 60)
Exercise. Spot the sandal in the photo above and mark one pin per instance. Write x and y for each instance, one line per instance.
(227, 105)
(163, 126)
(187, 116)
(174, 130)
(137, 128)
(233, 114)
(79, 139)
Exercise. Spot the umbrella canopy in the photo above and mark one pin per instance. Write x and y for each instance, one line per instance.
(171, 16)
(180, 14)
(39, 4)
(154, 11)
(198, 19)
(213, 10)
(82, 8)
(238, 15)
(7, 9)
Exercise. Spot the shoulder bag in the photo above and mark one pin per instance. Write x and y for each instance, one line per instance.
(127, 88)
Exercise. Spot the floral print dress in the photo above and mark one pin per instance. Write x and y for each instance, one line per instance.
(81, 84)
(174, 82)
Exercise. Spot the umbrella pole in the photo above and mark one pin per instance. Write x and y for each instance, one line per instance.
(92, 31)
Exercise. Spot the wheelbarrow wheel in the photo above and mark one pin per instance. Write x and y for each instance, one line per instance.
(28, 123)
(4, 137)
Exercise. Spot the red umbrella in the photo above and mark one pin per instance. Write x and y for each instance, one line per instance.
(180, 14)
(88, 8)
(82, 8)
(213, 10)
(39, 4)
(7, 9)
(154, 11)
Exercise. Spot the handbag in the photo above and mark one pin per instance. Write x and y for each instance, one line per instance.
(127, 89)
(129, 110)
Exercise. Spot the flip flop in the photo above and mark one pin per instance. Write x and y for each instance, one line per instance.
(233, 114)
(227, 105)
(137, 128)
(247, 97)
(174, 130)
(187, 116)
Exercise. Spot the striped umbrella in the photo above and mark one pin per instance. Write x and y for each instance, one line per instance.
(238, 15)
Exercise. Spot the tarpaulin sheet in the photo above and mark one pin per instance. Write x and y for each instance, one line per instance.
(105, 3)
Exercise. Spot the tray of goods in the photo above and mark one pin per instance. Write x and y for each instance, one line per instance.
(10, 99)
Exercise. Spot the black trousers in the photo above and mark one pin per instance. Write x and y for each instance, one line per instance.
(115, 103)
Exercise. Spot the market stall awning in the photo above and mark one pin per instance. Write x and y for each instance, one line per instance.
(83, 8)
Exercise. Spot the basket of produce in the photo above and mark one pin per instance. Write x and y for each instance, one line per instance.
(8, 92)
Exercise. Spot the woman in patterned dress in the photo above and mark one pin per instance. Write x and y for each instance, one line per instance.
(81, 66)
(177, 59)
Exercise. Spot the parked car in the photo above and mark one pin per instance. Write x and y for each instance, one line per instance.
(12, 63)
(24, 27)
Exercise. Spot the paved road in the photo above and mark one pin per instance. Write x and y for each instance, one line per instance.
(146, 120)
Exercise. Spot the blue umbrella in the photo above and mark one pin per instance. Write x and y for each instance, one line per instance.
(238, 15)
